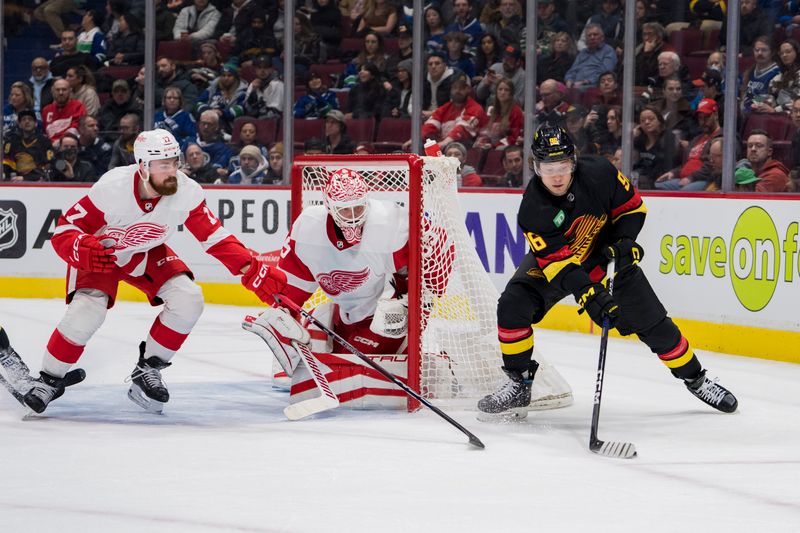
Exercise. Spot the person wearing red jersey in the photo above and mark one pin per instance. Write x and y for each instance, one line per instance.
(460, 119)
(119, 232)
(63, 114)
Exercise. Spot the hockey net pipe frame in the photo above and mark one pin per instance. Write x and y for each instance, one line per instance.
(453, 353)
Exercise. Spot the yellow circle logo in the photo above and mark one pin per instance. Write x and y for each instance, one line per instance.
(754, 258)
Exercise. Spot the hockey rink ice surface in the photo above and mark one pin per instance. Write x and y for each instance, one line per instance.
(224, 458)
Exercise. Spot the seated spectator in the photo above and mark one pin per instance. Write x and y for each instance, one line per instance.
(173, 118)
(27, 155)
(404, 44)
(656, 148)
(62, 115)
(91, 40)
(248, 134)
(714, 165)
(608, 137)
(609, 18)
(326, 21)
(233, 20)
(372, 52)
(466, 23)
(754, 90)
(274, 175)
(67, 166)
(251, 167)
(559, 59)
(753, 23)
(20, 98)
(553, 105)
(745, 179)
(196, 22)
(436, 86)
(211, 140)
(367, 96)
(225, 96)
(487, 54)
(165, 21)
(336, 139)
(596, 58)
(314, 146)
(127, 46)
(264, 96)
(506, 120)
(653, 35)
(398, 98)
(41, 82)
(772, 174)
(710, 84)
(120, 104)
(695, 174)
(678, 114)
(82, 88)
(575, 125)
(460, 119)
(457, 58)
(379, 16)
(256, 40)
(171, 74)
(508, 27)
(92, 148)
(510, 67)
(308, 49)
(317, 101)
(513, 162)
(467, 177)
(209, 67)
(122, 151)
(198, 165)
(609, 93)
(551, 24)
(69, 56)
(434, 29)
(785, 87)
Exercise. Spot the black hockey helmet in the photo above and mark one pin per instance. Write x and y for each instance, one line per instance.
(552, 143)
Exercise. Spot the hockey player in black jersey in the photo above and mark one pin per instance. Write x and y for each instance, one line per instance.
(577, 213)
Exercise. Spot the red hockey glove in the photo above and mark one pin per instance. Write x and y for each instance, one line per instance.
(263, 280)
(598, 303)
(91, 256)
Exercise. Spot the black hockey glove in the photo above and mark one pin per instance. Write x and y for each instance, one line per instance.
(626, 253)
(597, 301)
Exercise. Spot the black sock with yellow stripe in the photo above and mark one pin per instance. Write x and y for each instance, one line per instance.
(681, 360)
(516, 346)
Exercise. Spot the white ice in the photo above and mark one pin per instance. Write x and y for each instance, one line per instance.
(223, 457)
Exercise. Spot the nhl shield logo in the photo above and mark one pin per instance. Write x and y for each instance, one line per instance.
(9, 234)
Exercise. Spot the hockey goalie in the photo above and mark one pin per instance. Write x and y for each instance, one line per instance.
(354, 249)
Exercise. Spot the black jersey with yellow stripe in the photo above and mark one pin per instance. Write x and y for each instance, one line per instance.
(567, 234)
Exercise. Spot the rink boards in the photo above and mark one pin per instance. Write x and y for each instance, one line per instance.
(728, 268)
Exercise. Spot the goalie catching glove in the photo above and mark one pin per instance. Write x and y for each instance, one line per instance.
(391, 312)
(279, 330)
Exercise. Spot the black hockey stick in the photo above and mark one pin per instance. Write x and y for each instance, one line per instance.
(623, 450)
(473, 440)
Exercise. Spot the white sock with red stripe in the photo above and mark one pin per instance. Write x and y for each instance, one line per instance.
(183, 305)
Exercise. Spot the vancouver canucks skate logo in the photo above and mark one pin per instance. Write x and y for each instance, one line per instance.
(336, 282)
(9, 234)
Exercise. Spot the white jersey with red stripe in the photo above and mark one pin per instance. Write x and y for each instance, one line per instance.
(353, 276)
(112, 209)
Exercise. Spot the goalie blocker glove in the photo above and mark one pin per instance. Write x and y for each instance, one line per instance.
(279, 329)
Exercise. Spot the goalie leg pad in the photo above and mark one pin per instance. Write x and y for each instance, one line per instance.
(278, 329)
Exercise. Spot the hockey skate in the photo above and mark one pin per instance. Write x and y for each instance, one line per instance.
(712, 393)
(512, 400)
(148, 390)
(45, 389)
(14, 368)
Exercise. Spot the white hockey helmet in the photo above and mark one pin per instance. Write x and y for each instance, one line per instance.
(346, 199)
(156, 144)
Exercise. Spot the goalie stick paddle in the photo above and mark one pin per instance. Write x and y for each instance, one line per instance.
(622, 450)
(473, 440)
(326, 400)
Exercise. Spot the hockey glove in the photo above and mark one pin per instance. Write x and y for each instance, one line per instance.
(280, 331)
(89, 255)
(626, 252)
(263, 280)
(596, 300)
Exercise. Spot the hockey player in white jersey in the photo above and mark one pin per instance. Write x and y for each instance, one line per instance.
(119, 232)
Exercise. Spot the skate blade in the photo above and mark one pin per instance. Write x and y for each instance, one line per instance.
(150, 405)
(551, 402)
(512, 415)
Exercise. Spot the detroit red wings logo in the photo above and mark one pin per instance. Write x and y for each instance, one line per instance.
(135, 236)
(336, 282)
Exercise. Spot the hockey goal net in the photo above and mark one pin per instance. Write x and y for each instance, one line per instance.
(453, 352)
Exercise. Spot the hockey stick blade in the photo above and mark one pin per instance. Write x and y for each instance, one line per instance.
(12, 390)
(473, 440)
(617, 450)
(327, 398)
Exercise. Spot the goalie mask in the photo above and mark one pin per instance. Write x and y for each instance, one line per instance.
(346, 201)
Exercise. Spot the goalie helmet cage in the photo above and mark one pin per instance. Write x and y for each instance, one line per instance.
(453, 352)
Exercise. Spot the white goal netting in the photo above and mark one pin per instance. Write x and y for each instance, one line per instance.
(453, 349)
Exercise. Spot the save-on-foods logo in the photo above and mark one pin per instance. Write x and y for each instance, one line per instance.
(754, 257)
(12, 229)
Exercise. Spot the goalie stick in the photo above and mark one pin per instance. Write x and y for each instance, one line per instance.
(623, 450)
(473, 440)
(326, 400)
